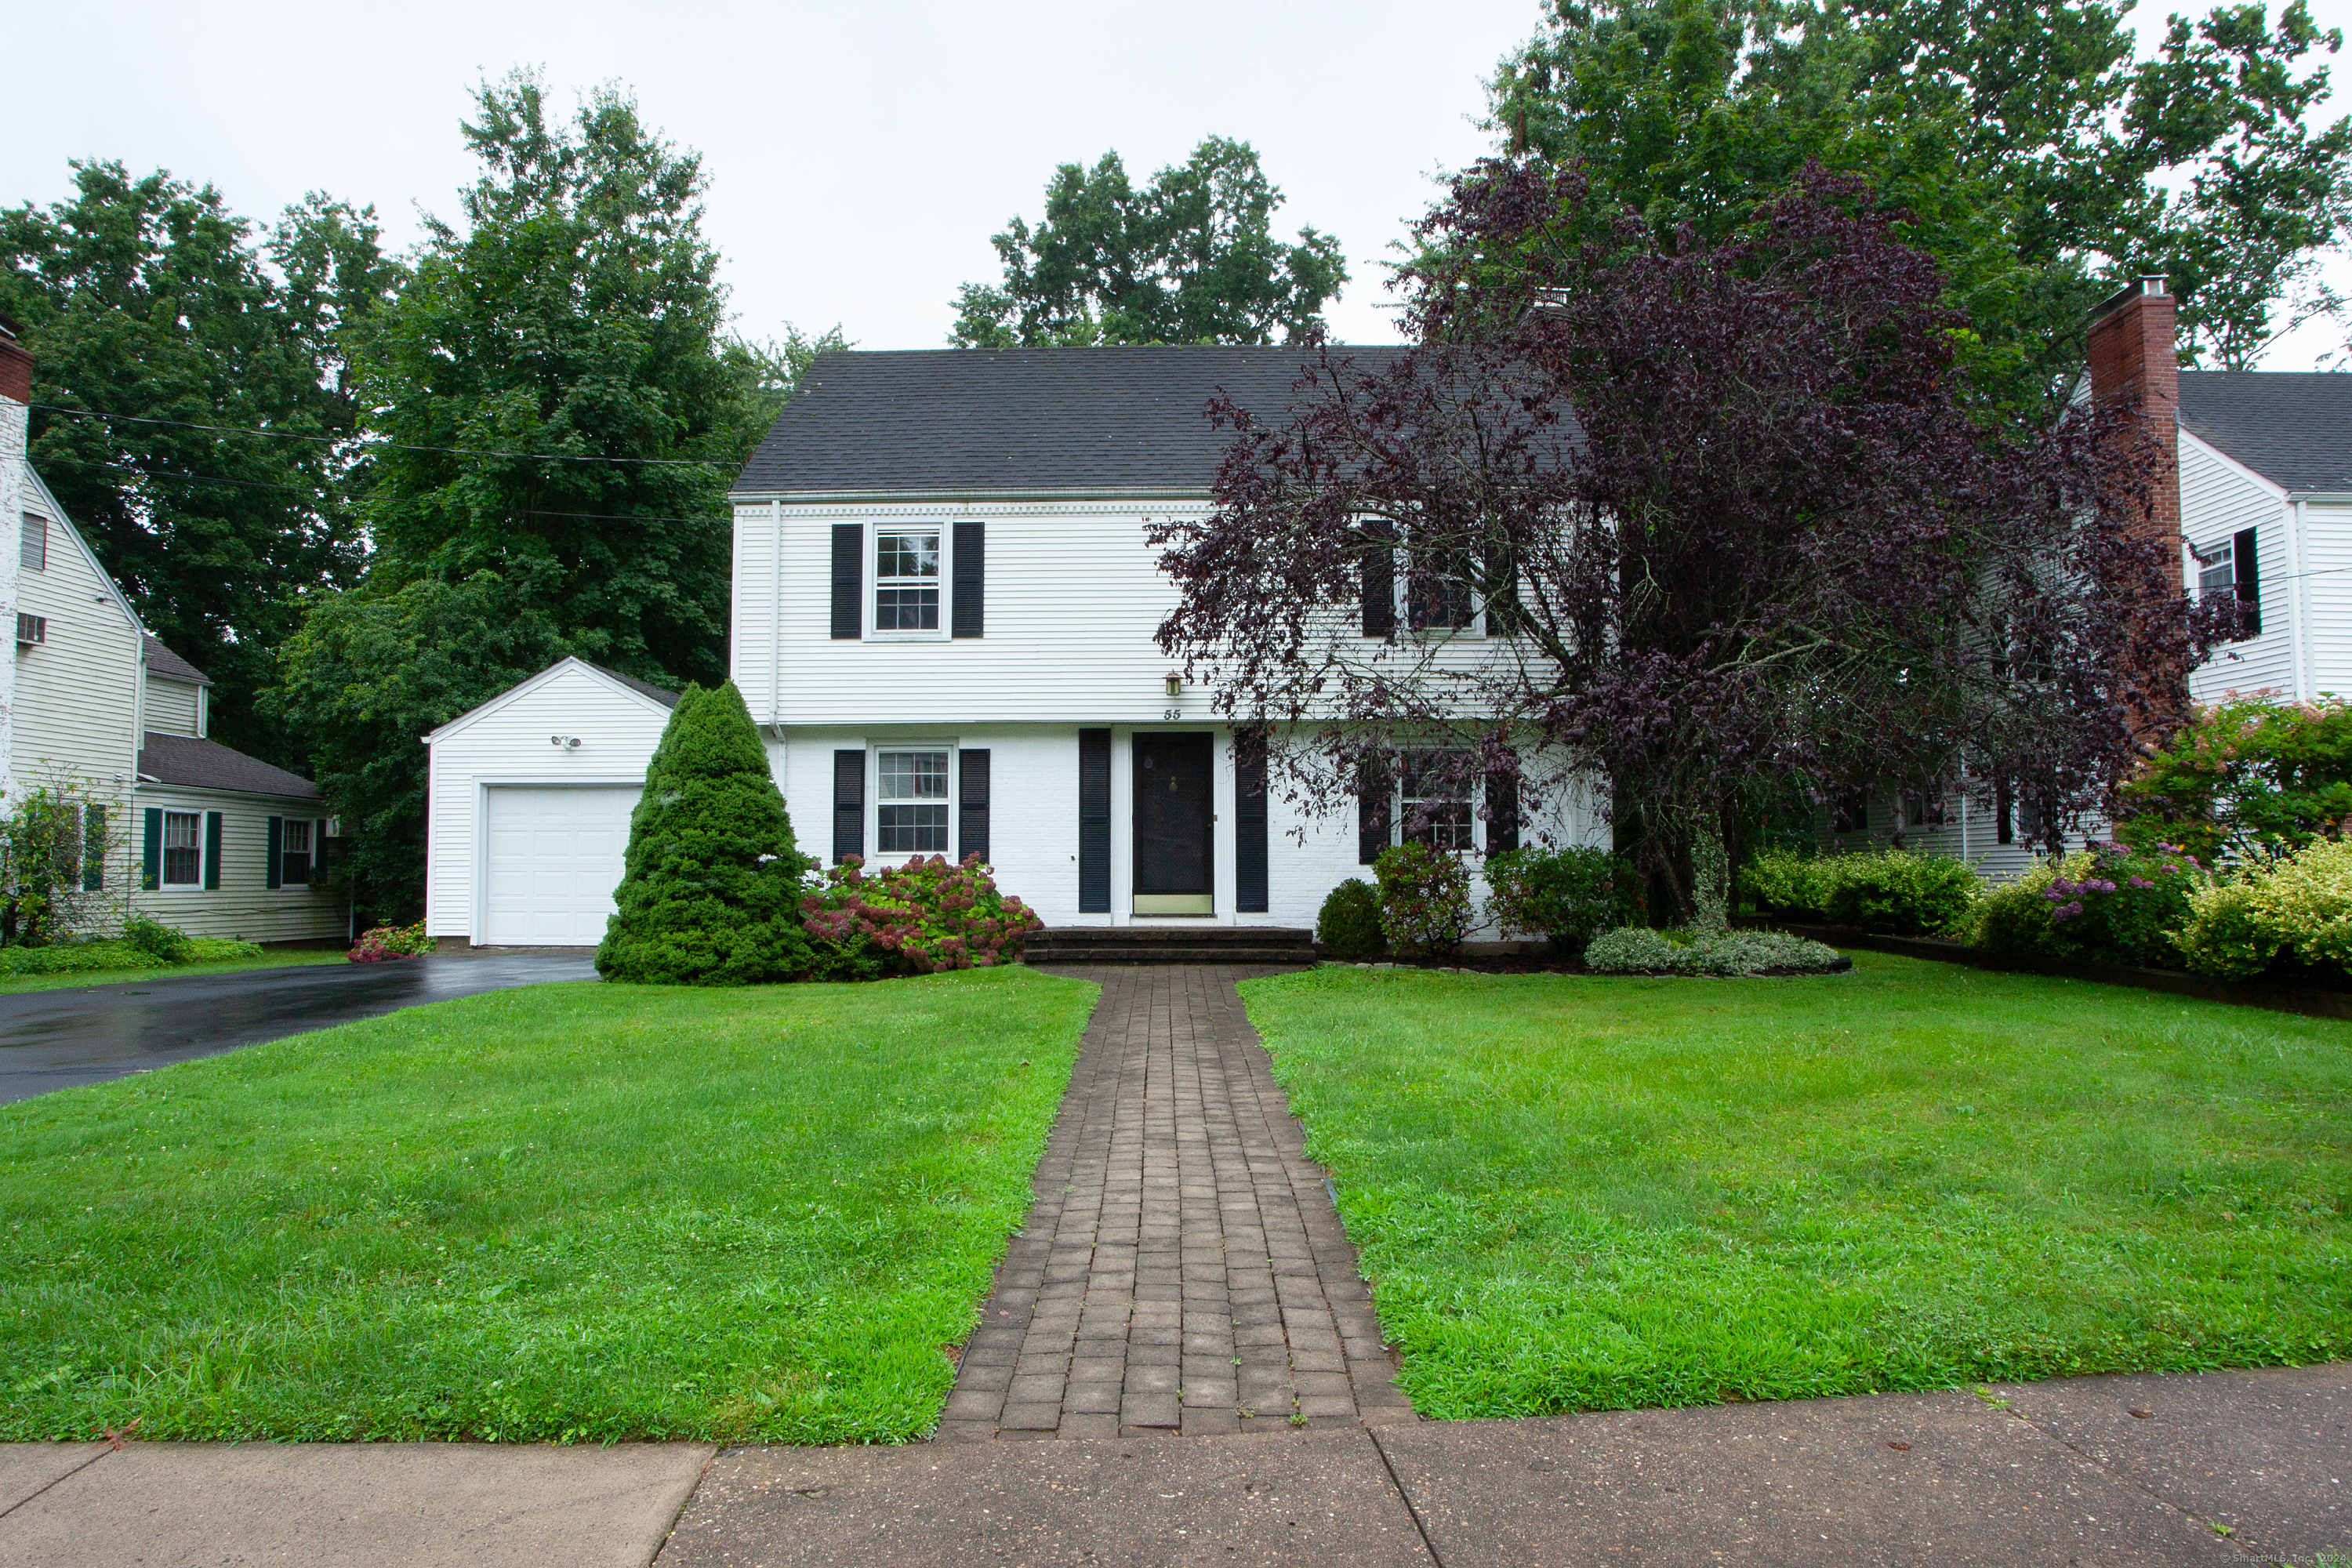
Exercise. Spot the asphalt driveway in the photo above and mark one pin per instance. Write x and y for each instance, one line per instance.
(57, 1039)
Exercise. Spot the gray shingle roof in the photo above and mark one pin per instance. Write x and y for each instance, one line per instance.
(666, 697)
(207, 765)
(2292, 427)
(164, 661)
(1021, 419)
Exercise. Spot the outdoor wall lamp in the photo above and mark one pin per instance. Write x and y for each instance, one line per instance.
(568, 743)
(1175, 683)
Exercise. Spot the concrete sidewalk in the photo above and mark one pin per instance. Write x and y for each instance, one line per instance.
(2225, 1468)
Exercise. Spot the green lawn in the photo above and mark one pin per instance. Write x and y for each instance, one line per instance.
(272, 958)
(566, 1212)
(1576, 1193)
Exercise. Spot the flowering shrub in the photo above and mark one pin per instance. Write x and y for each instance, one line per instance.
(1349, 924)
(1891, 890)
(1424, 899)
(2298, 907)
(1568, 896)
(2248, 774)
(915, 918)
(381, 943)
(2115, 905)
(1635, 949)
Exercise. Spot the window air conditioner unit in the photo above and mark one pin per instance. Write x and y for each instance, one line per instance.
(31, 629)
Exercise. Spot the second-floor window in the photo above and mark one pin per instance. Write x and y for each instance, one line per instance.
(184, 852)
(294, 857)
(911, 809)
(907, 580)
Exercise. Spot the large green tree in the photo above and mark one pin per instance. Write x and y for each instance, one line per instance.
(2042, 158)
(197, 417)
(1189, 258)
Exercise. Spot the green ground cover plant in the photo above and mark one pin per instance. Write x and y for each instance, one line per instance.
(1576, 1193)
(566, 1212)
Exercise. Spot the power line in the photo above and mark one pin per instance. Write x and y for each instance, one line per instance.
(378, 445)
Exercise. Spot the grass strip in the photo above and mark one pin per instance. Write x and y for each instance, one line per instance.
(274, 958)
(566, 1212)
(1576, 1193)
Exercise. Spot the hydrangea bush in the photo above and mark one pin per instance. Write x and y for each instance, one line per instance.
(1424, 900)
(381, 943)
(916, 919)
(2118, 905)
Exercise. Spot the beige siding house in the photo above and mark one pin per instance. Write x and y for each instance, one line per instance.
(205, 838)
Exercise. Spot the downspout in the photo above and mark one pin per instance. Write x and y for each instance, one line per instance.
(2299, 650)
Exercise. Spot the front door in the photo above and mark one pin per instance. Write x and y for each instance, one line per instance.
(1173, 776)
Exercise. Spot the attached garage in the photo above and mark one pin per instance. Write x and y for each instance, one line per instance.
(529, 807)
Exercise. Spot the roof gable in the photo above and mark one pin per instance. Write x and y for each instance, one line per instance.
(979, 420)
(642, 691)
(2292, 427)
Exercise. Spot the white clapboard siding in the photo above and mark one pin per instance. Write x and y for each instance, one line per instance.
(2326, 586)
(244, 906)
(76, 706)
(1034, 819)
(508, 743)
(2219, 498)
(172, 706)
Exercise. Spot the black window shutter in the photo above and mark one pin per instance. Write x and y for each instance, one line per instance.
(1371, 810)
(848, 805)
(318, 853)
(276, 875)
(1380, 589)
(212, 850)
(1094, 821)
(969, 617)
(2004, 816)
(971, 802)
(848, 581)
(1249, 817)
(1502, 813)
(151, 851)
(94, 848)
(1503, 595)
(2246, 565)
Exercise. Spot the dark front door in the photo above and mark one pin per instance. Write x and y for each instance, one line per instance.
(1173, 776)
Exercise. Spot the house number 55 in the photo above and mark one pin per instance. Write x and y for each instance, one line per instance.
(1172, 713)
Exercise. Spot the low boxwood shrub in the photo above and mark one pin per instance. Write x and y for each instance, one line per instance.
(2296, 909)
(916, 919)
(1566, 896)
(1349, 926)
(1890, 890)
(1636, 950)
(1424, 900)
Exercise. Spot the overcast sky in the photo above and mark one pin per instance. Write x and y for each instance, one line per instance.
(859, 155)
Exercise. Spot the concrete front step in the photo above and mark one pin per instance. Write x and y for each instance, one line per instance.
(1033, 955)
(1170, 944)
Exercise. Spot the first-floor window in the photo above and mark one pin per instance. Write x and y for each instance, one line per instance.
(184, 850)
(907, 581)
(294, 857)
(1437, 806)
(912, 790)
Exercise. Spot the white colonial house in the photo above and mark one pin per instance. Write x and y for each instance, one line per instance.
(205, 838)
(944, 604)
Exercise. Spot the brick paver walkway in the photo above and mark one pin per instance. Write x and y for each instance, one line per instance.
(1183, 1269)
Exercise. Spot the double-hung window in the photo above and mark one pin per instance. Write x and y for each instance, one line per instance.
(907, 580)
(294, 852)
(1436, 593)
(2217, 569)
(184, 850)
(1438, 805)
(911, 803)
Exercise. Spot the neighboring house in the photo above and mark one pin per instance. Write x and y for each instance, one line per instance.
(2261, 498)
(943, 612)
(207, 838)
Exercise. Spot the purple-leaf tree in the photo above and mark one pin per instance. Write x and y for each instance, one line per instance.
(1699, 528)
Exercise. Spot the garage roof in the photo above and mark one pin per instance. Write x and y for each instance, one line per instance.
(643, 690)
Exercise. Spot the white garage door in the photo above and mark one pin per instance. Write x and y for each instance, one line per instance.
(554, 860)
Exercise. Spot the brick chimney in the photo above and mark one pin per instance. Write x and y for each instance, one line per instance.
(2134, 361)
(16, 365)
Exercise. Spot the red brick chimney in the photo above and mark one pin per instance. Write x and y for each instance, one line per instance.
(16, 365)
(2135, 361)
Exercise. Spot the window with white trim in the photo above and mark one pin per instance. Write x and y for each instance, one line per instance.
(910, 793)
(33, 552)
(2217, 568)
(294, 852)
(184, 850)
(907, 580)
(1434, 594)
(1437, 800)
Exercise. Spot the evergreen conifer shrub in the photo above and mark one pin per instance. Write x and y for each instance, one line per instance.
(711, 892)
